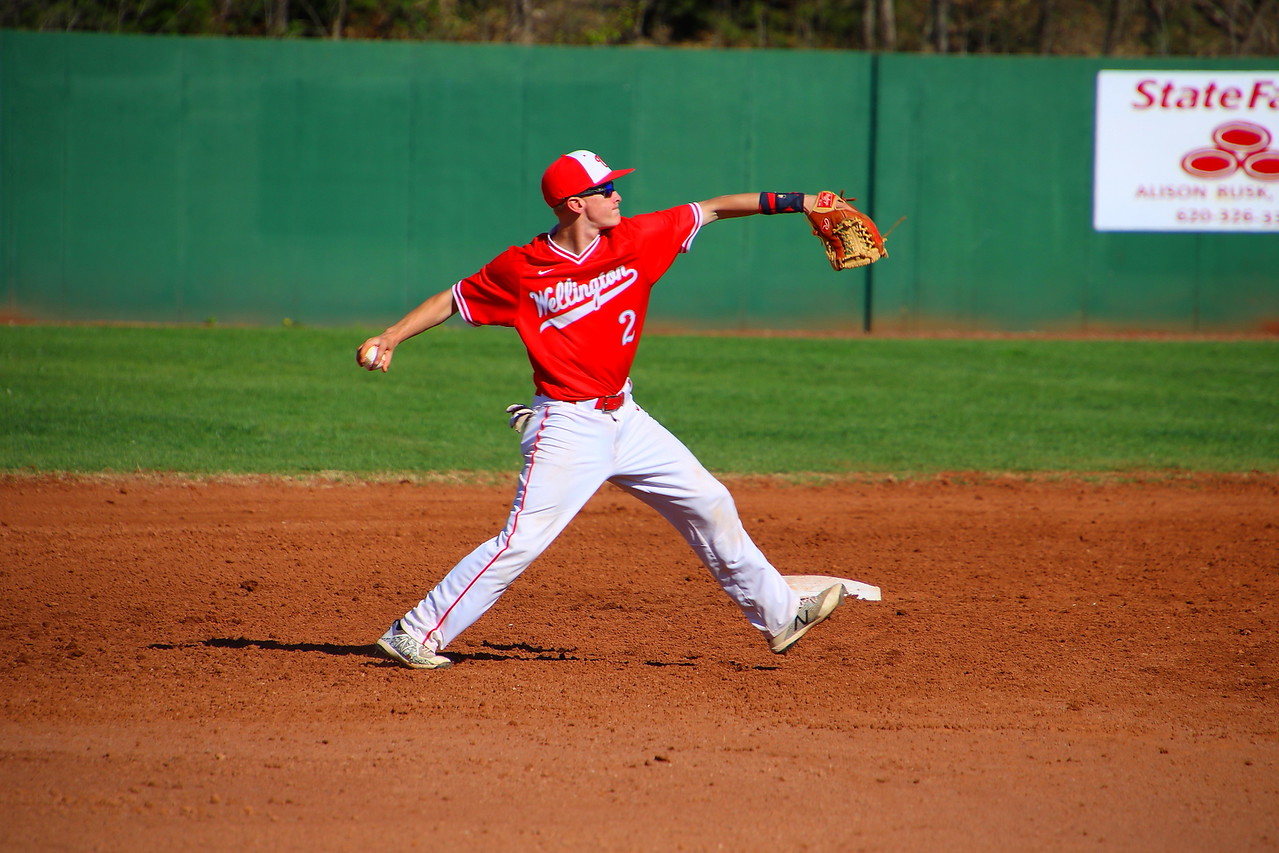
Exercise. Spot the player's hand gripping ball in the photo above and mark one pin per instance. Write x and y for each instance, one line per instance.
(368, 358)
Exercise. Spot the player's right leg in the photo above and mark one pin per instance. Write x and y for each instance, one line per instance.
(567, 457)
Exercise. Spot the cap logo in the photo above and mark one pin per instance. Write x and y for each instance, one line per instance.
(596, 169)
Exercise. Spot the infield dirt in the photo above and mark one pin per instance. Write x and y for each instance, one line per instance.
(1056, 665)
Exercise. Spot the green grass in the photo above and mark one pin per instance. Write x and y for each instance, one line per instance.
(292, 401)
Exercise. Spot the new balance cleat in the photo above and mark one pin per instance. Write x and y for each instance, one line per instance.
(811, 611)
(402, 647)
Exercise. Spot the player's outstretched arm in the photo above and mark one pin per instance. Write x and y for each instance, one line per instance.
(428, 315)
(748, 204)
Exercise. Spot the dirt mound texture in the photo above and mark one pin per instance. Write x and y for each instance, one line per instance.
(1055, 665)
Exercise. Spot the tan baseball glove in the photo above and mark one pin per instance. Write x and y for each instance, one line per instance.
(848, 235)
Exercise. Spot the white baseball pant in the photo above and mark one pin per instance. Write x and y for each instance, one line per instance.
(570, 450)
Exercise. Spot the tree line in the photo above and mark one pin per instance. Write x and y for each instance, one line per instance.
(1199, 28)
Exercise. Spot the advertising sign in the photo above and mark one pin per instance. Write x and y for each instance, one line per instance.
(1187, 151)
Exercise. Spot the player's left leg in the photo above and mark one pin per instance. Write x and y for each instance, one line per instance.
(657, 468)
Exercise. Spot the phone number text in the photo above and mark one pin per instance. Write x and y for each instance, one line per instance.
(1228, 216)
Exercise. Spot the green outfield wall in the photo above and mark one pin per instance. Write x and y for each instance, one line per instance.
(196, 179)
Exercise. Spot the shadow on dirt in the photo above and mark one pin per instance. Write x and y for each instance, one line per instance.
(500, 652)
(270, 645)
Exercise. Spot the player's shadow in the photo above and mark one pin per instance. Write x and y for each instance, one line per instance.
(500, 652)
(269, 645)
(275, 646)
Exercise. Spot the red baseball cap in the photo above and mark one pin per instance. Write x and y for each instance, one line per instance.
(574, 172)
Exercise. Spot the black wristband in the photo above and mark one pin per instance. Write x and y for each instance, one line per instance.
(770, 203)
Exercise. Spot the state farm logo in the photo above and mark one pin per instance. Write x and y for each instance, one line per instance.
(1237, 146)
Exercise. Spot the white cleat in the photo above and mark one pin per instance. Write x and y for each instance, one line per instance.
(811, 611)
(401, 647)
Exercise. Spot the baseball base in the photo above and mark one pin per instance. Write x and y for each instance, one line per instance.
(807, 585)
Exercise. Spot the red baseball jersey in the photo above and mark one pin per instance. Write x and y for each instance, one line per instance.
(580, 317)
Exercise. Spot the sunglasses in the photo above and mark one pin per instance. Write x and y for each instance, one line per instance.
(605, 190)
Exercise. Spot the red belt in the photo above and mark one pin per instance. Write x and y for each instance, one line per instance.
(611, 403)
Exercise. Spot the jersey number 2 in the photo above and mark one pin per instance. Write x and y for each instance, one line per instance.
(627, 318)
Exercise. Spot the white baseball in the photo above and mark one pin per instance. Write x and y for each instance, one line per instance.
(370, 357)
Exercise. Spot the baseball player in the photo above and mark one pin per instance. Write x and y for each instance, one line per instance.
(578, 295)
